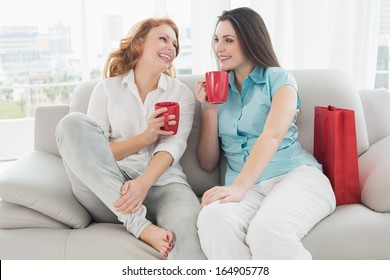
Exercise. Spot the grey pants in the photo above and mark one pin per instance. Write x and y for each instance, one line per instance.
(97, 179)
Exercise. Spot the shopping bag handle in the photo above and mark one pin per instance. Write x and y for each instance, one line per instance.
(316, 119)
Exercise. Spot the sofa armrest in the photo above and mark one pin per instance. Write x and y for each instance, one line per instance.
(376, 104)
(46, 120)
(374, 169)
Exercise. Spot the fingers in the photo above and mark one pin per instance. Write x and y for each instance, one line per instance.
(200, 92)
(158, 112)
(166, 132)
(127, 205)
(137, 207)
(156, 115)
(159, 121)
(214, 194)
(201, 95)
(227, 199)
(128, 202)
(156, 124)
(171, 120)
(125, 188)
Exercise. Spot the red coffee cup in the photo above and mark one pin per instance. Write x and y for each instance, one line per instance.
(217, 86)
(173, 109)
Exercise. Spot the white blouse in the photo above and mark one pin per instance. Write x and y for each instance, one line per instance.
(116, 106)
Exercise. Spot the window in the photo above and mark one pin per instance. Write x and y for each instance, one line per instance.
(43, 57)
(382, 79)
(106, 23)
(35, 51)
(180, 12)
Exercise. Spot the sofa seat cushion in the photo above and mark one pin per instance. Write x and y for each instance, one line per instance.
(13, 216)
(374, 168)
(353, 231)
(33, 243)
(27, 183)
(98, 241)
(107, 241)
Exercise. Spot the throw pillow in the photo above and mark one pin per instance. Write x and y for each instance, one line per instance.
(38, 181)
(13, 216)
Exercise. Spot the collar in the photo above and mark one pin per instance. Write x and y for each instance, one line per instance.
(129, 81)
(257, 76)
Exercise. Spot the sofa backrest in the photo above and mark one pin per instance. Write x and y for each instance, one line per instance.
(316, 87)
(323, 87)
(81, 95)
(199, 179)
(376, 105)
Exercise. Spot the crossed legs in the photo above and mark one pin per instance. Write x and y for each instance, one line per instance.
(96, 179)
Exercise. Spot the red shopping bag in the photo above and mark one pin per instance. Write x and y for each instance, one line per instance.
(335, 147)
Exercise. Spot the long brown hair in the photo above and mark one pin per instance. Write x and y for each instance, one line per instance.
(252, 35)
(121, 61)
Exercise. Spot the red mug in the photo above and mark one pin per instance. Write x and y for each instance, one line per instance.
(217, 86)
(173, 109)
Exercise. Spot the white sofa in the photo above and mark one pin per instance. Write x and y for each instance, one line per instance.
(40, 219)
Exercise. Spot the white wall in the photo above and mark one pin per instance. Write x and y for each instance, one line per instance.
(204, 16)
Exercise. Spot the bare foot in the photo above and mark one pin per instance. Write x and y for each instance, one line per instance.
(159, 238)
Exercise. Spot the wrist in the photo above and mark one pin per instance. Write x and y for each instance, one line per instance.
(241, 186)
(208, 107)
(144, 181)
(143, 138)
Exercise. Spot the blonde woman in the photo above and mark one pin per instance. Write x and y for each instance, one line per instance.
(121, 164)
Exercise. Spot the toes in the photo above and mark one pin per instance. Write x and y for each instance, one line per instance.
(169, 245)
(169, 236)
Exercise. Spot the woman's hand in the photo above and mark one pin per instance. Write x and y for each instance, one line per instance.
(201, 95)
(153, 130)
(223, 194)
(133, 194)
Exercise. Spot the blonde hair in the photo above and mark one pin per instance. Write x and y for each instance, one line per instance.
(121, 61)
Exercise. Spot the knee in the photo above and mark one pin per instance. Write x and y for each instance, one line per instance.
(176, 207)
(70, 123)
(214, 218)
(275, 241)
(269, 234)
(259, 234)
(72, 126)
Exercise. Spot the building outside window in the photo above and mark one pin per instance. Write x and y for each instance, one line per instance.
(38, 62)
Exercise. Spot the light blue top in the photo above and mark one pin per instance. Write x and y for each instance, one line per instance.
(241, 121)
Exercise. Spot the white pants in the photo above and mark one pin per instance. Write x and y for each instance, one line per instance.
(270, 221)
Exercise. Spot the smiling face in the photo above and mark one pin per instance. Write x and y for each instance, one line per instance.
(159, 48)
(227, 47)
